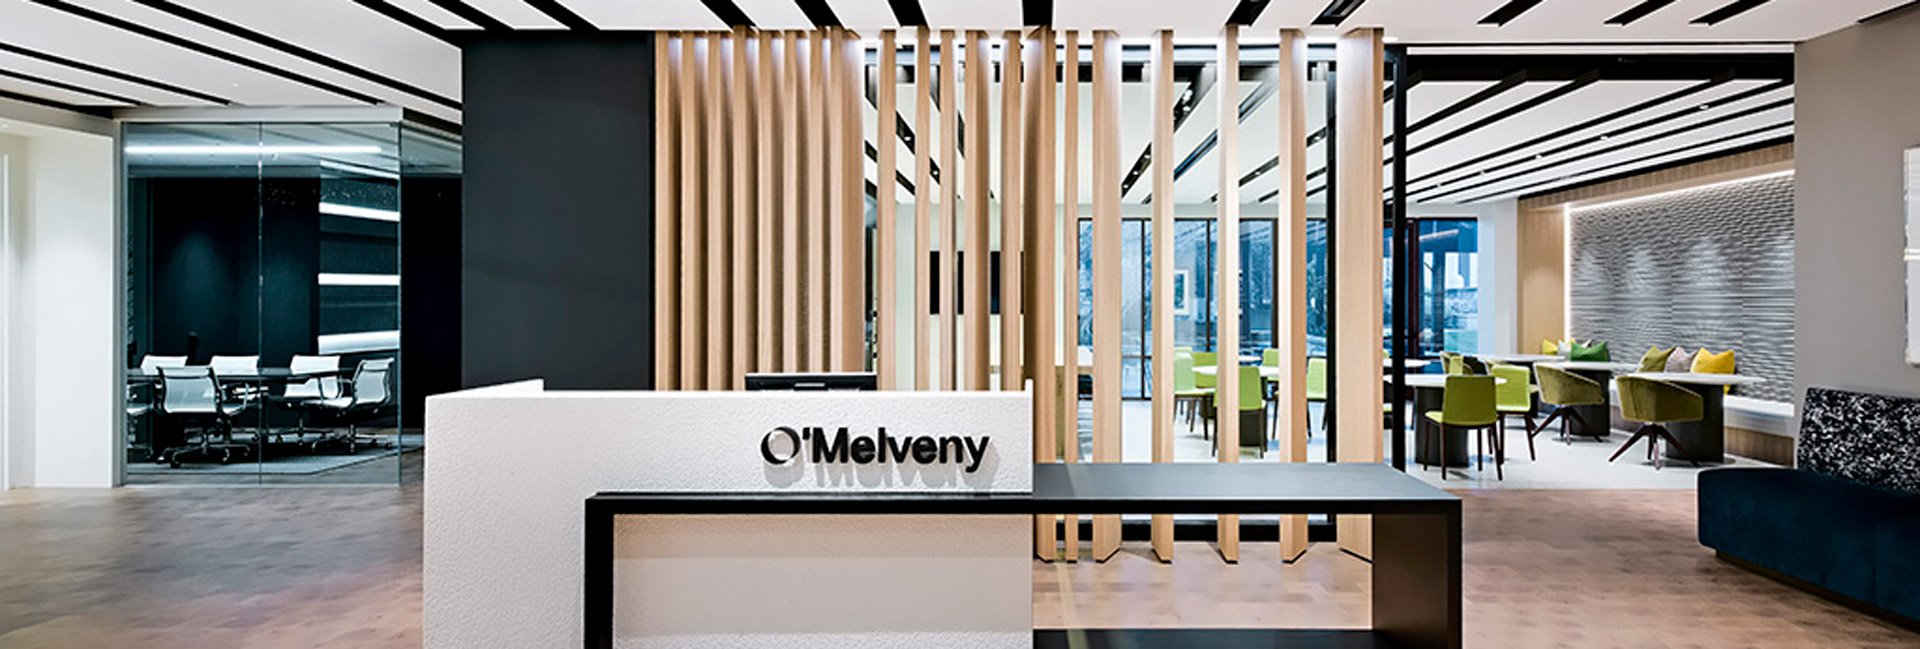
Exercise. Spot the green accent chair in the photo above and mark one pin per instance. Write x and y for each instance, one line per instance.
(1205, 359)
(1317, 388)
(1561, 389)
(1470, 404)
(1655, 404)
(1514, 399)
(1251, 401)
(1185, 390)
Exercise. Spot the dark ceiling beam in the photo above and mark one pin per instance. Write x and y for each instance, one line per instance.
(1200, 80)
(1585, 79)
(1726, 13)
(56, 83)
(561, 14)
(908, 13)
(409, 19)
(1548, 165)
(1622, 131)
(1247, 106)
(1557, 134)
(818, 12)
(200, 48)
(468, 13)
(1638, 11)
(1511, 81)
(1337, 12)
(1035, 13)
(1246, 12)
(258, 38)
(1615, 67)
(1509, 11)
(96, 111)
(1705, 147)
(115, 74)
(729, 13)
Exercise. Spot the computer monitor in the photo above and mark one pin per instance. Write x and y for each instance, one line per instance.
(814, 381)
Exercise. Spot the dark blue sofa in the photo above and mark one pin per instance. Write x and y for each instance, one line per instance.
(1847, 519)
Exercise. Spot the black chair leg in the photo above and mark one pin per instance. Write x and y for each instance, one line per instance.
(1630, 442)
(1531, 431)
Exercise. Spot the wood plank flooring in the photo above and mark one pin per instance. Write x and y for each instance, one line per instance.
(340, 567)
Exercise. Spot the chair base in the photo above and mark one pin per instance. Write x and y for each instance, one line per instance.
(1654, 434)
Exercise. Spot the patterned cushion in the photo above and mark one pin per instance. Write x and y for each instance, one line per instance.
(1867, 438)
(1655, 359)
(1680, 361)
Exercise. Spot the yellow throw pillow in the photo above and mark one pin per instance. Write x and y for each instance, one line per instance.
(1710, 363)
(1549, 348)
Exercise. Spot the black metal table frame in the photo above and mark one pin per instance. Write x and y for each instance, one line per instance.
(1416, 541)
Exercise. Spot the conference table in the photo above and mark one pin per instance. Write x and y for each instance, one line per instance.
(1594, 421)
(1430, 395)
(1704, 440)
(257, 375)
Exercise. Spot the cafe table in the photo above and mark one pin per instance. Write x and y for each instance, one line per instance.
(1429, 395)
(1704, 440)
(1272, 372)
(1519, 359)
(1594, 421)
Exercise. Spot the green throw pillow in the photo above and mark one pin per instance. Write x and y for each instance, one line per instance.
(1655, 360)
(1596, 352)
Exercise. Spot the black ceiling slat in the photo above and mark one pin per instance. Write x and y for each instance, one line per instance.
(1549, 137)
(1246, 12)
(818, 12)
(297, 51)
(728, 13)
(1638, 11)
(116, 74)
(1035, 13)
(409, 19)
(1726, 13)
(470, 14)
(1247, 105)
(561, 14)
(908, 13)
(1510, 82)
(1585, 79)
(1618, 147)
(1531, 188)
(1631, 128)
(1509, 11)
(1337, 12)
(97, 111)
(55, 83)
(1201, 83)
(1889, 13)
(129, 26)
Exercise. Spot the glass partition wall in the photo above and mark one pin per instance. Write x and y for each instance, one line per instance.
(264, 301)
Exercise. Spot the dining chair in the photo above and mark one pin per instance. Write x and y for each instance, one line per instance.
(1655, 404)
(1514, 399)
(1250, 401)
(1185, 391)
(1270, 387)
(1317, 388)
(1451, 363)
(1206, 359)
(1468, 404)
(1563, 389)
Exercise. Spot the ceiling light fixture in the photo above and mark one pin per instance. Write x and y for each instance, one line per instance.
(358, 279)
(1684, 190)
(357, 212)
(249, 149)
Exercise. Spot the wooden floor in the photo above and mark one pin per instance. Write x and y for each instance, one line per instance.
(340, 567)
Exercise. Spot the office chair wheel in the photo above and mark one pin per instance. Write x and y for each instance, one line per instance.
(226, 457)
(173, 462)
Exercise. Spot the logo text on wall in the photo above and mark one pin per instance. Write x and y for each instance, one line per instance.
(785, 445)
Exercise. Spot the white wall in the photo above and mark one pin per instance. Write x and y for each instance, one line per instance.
(13, 448)
(62, 343)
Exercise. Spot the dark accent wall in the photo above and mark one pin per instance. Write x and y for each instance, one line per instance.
(1711, 267)
(557, 259)
(430, 301)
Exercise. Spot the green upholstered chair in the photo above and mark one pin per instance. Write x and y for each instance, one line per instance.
(1470, 403)
(1560, 389)
(1317, 387)
(1654, 404)
(1452, 363)
(1185, 390)
(1514, 399)
(1270, 357)
(1251, 401)
(1206, 359)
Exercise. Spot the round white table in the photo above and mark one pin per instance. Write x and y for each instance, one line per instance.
(1704, 440)
(1519, 359)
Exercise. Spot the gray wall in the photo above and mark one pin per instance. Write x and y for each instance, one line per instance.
(557, 258)
(1711, 267)
(1857, 107)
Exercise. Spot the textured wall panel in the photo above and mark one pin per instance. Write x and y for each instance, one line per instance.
(1711, 267)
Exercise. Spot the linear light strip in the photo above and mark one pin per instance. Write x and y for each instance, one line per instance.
(250, 149)
(337, 209)
(1724, 183)
(358, 279)
(356, 342)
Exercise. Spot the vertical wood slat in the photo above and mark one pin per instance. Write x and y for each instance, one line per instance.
(693, 98)
(815, 215)
(1069, 420)
(886, 104)
(1291, 254)
(666, 260)
(792, 193)
(1162, 170)
(1031, 108)
(949, 211)
(718, 60)
(1357, 278)
(922, 210)
(1045, 375)
(836, 223)
(1011, 359)
(764, 214)
(1106, 273)
(979, 179)
(1227, 283)
(853, 255)
(740, 301)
